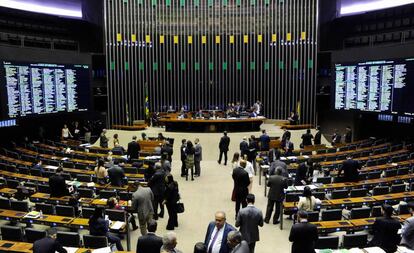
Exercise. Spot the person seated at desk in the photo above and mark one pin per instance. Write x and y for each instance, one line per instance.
(277, 163)
(116, 174)
(161, 137)
(254, 113)
(303, 235)
(385, 230)
(199, 114)
(182, 114)
(98, 226)
(39, 166)
(302, 172)
(293, 118)
(407, 231)
(350, 169)
(307, 202)
(171, 109)
(100, 172)
(48, 244)
(113, 203)
(57, 184)
(118, 149)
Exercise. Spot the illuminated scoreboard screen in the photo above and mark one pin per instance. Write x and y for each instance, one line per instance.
(385, 86)
(29, 89)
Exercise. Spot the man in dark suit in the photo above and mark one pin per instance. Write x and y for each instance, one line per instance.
(241, 182)
(303, 235)
(307, 138)
(286, 134)
(116, 174)
(336, 138)
(198, 156)
(224, 147)
(39, 166)
(183, 157)
(276, 183)
(385, 231)
(350, 169)
(216, 235)
(249, 219)
(274, 156)
(166, 148)
(264, 141)
(318, 136)
(133, 149)
(348, 135)
(244, 147)
(288, 147)
(150, 243)
(57, 184)
(48, 244)
(157, 185)
(302, 172)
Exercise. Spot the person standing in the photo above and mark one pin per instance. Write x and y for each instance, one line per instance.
(288, 147)
(39, 166)
(307, 138)
(116, 174)
(250, 170)
(66, 133)
(350, 169)
(172, 197)
(157, 185)
(286, 134)
(249, 219)
(149, 243)
(87, 128)
(142, 200)
(216, 235)
(133, 149)
(103, 140)
(302, 172)
(235, 161)
(318, 136)
(169, 242)
(348, 135)
(57, 184)
(303, 235)
(244, 147)
(276, 183)
(253, 148)
(407, 231)
(189, 160)
(224, 147)
(336, 138)
(183, 157)
(264, 141)
(198, 156)
(276, 162)
(234, 240)
(167, 149)
(241, 184)
(385, 230)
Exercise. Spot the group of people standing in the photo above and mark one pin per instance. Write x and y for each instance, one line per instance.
(191, 156)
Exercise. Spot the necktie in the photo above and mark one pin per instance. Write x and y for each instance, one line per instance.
(213, 241)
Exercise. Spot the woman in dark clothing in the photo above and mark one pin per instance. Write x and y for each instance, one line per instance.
(100, 227)
(113, 204)
(171, 198)
(189, 160)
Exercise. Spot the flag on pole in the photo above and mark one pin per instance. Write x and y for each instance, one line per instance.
(127, 114)
(298, 109)
(146, 102)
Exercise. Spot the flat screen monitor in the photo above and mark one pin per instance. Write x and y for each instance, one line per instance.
(32, 89)
(383, 86)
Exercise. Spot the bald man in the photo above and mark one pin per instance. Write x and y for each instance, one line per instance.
(216, 236)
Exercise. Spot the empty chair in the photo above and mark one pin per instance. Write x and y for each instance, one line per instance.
(292, 197)
(319, 195)
(131, 170)
(95, 242)
(362, 192)
(376, 211)
(22, 206)
(67, 164)
(81, 166)
(321, 151)
(339, 194)
(36, 172)
(48, 173)
(382, 161)
(66, 176)
(374, 175)
(85, 193)
(107, 194)
(331, 150)
(11, 183)
(327, 242)
(403, 209)
(397, 188)
(391, 173)
(355, 241)
(125, 195)
(313, 216)
(68, 239)
(33, 235)
(330, 158)
(11, 233)
(306, 153)
(333, 214)
(115, 215)
(371, 163)
(360, 213)
(403, 171)
(4, 203)
(43, 188)
(324, 180)
(84, 178)
(65, 211)
(45, 208)
(380, 190)
(87, 212)
(24, 170)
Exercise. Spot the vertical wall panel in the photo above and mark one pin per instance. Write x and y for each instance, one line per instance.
(142, 50)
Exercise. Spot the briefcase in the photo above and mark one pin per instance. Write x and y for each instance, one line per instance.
(180, 207)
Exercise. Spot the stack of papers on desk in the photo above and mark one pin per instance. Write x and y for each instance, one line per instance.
(154, 157)
(102, 250)
(374, 250)
(117, 225)
(292, 157)
(71, 249)
(50, 167)
(302, 187)
(32, 215)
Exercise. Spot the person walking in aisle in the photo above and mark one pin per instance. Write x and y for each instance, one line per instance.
(276, 183)
(172, 197)
(224, 147)
(241, 183)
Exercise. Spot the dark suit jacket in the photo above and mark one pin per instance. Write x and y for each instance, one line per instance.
(227, 228)
(98, 227)
(317, 139)
(224, 143)
(241, 182)
(133, 150)
(57, 186)
(285, 135)
(301, 173)
(116, 175)
(182, 151)
(385, 234)
(244, 148)
(307, 139)
(303, 235)
(276, 185)
(149, 243)
(48, 245)
(157, 183)
(350, 168)
(264, 142)
(348, 137)
(249, 219)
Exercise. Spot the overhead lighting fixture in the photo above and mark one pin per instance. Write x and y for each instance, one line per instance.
(372, 6)
(41, 8)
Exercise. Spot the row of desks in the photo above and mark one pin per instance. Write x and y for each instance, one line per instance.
(25, 247)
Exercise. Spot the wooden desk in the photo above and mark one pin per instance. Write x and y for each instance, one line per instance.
(54, 220)
(10, 246)
(11, 214)
(79, 223)
(8, 192)
(212, 125)
(45, 197)
(333, 226)
(352, 201)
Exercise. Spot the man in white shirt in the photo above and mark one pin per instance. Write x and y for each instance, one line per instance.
(216, 236)
(250, 170)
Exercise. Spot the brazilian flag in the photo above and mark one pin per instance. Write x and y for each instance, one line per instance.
(147, 112)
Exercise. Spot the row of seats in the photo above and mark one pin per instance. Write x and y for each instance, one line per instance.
(348, 241)
(66, 239)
